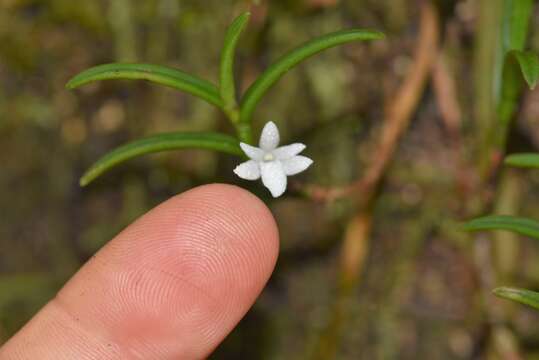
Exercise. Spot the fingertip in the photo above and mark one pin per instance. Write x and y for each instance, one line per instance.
(240, 210)
(218, 244)
(171, 285)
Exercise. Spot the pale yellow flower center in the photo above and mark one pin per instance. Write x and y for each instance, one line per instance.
(268, 157)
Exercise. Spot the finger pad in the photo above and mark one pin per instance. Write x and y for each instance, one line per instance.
(177, 280)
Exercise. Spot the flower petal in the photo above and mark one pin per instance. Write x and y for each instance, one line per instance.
(269, 139)
(288, 151)
(252, 151)
(296, 165)
(248, 170)
(273, 177)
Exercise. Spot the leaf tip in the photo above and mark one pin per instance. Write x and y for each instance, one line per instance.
(243, 18)
(381, 35)
(509, 160)
(467, 226)
(501, 291)
(84, 180)
(70, 85)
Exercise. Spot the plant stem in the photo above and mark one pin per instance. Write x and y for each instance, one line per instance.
(489, 21)
(244, 131)
(497, 258)
(121, 21)
(401, 109)
(506, 244)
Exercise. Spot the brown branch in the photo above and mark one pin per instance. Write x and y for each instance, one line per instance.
(446, 96)
(397, 115)
(356, 239)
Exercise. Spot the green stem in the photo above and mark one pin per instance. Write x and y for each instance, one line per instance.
(486, 67)
(506, 245)
(244, 131)
(233, 114)
(120, 17)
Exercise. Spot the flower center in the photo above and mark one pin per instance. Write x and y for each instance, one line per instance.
(268, 157)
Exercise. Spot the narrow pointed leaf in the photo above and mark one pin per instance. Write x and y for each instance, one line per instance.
(520, 67)
(227, 85)
(524, 160)
(515, 21)
(522, 296)
(504, 29)
(158, 143)
(516, 16)
(529, 66)
(269, 77)
(523, 226)
(157, 74)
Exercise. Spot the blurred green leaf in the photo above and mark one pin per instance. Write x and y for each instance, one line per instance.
(162, 75)
(514, 62)
(529, 65)
(269, 77)
(503, 28)
(227, 85)
(519, 66)
(516, 17)
(158, 143)
(522, 296)
(521, 226)
(523, 160)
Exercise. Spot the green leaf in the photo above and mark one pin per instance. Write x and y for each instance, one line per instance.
(529, 65)
(504, 28)
(523, 226)
(524, 160)
(519, 66)
(158, 143)
(227, 85)
(162, 75)
(516, 15)
(522, 296)
(269, 77)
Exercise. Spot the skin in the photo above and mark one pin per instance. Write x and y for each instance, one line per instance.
(170, 286)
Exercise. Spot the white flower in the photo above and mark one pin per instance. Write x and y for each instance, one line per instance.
(272, 163)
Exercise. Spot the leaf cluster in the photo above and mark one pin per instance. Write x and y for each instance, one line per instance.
(239, 111)
(519, 225)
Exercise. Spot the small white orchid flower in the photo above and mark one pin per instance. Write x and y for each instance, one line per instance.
(272, 163)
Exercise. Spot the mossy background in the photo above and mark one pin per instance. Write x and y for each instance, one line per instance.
(419, 295)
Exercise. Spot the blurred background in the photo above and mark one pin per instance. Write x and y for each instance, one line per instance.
(378, 270)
